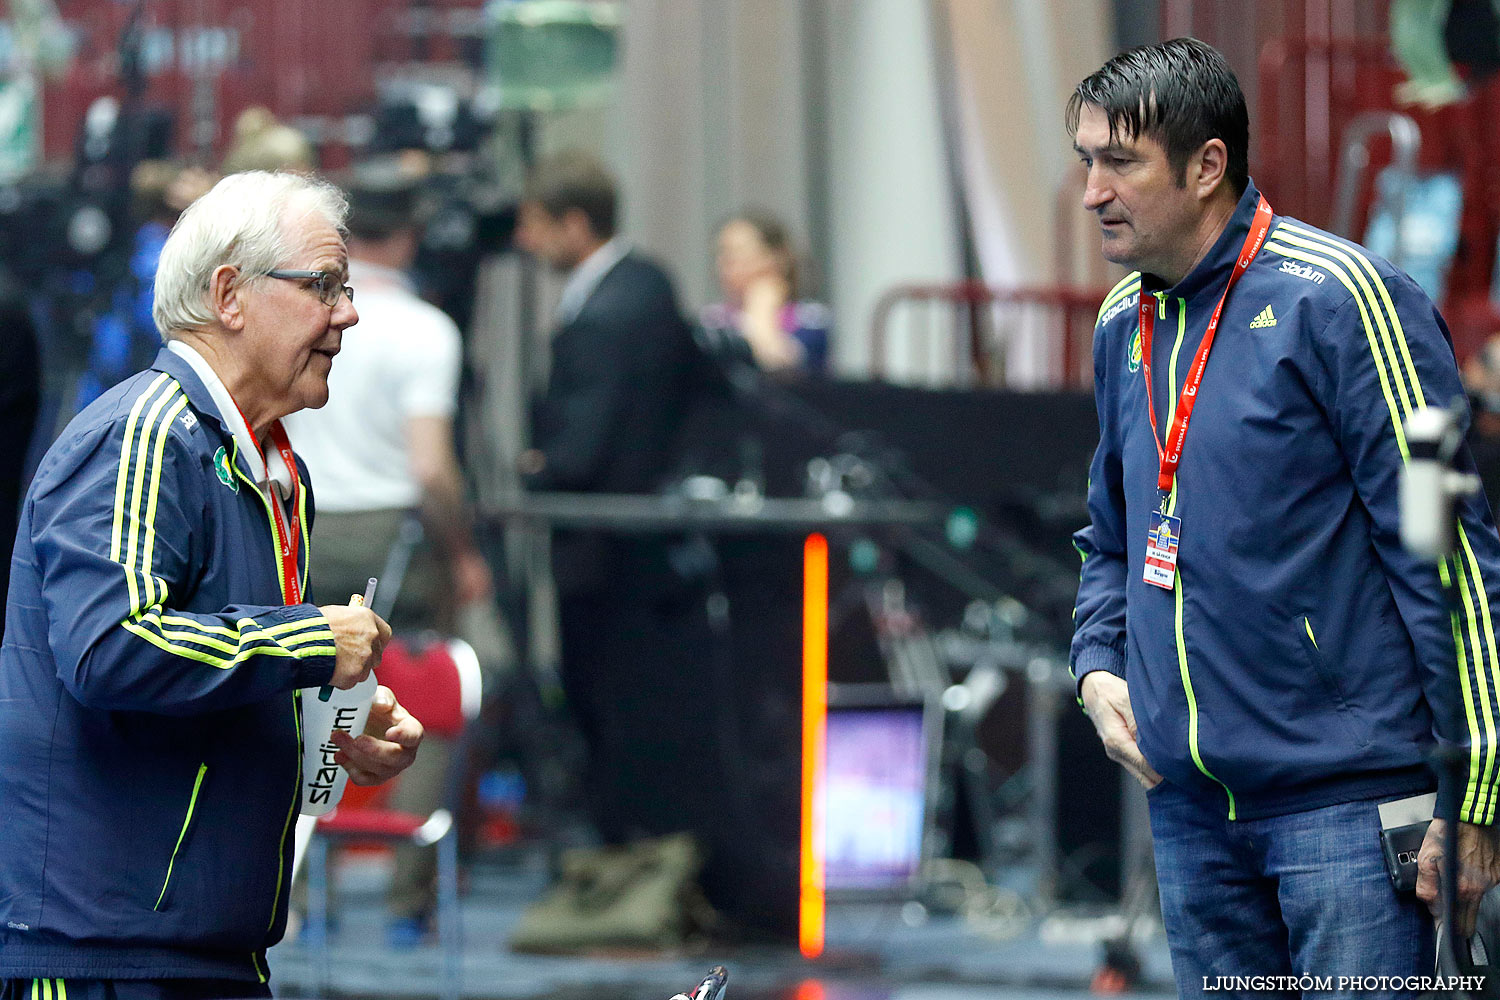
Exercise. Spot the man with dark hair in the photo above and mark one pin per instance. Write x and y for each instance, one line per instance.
(633, 627)
(573, 181)
(1253, 643)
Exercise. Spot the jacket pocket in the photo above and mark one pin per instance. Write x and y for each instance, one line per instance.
(187, 824)
(1330, 682)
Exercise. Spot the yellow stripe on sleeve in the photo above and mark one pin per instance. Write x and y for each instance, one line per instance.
(158, 454)
(127, 448)
(1383, 316)
(1487, 680)
(1469, 671)
(1376, 354)
(1385, 301)
(1123, 288)
(1478, 660)
(123, 475)
(188, 652)
(138, 489)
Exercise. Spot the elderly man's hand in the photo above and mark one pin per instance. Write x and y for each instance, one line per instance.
(1106, 698)
(1478, 870)
(360, 635)
(386, 748)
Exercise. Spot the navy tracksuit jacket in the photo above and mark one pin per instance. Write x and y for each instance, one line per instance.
(150, 767)
(1303, 657)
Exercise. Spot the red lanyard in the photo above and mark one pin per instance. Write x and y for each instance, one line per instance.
(1171, 455)
(287, 540)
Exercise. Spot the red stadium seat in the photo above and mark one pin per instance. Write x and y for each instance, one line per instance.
(438, 681)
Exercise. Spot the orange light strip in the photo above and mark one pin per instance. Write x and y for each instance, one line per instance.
(809, 989)
(812, 900)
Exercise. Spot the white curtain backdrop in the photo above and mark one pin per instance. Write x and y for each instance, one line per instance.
(1015, 65)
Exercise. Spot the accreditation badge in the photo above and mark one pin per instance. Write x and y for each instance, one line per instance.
(1161, 550)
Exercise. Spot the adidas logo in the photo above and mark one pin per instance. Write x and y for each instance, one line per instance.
(1266, 318)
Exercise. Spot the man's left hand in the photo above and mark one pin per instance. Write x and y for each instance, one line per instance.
(1478, 870)
(386, 748)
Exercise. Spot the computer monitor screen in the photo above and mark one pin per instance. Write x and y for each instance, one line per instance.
(876, 796)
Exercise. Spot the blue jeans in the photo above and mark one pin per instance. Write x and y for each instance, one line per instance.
(1304, 894)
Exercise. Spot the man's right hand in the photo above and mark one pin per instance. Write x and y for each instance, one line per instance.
(1106, 698)
(361, 636)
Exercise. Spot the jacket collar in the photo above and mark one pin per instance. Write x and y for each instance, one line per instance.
(192, 386)
(230, 427)
(1212, 272)
(586, 277)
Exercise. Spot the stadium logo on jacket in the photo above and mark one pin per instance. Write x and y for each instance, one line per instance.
(1309, 273)
(1134, 362)
(221, 467)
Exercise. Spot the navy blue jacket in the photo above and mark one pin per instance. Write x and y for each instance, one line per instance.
(1303, 658)
(150, 767)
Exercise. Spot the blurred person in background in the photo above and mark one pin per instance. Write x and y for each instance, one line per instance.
(20, 400)
(158, 631)
(261, 142)
(382, 452)
(1482, 382)
(124, 337)
(761, 317)
(634, 630)
(1433, 39)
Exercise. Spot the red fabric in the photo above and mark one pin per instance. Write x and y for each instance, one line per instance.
(426, 684)
(425, 681)
(370, 823)
(365, 796)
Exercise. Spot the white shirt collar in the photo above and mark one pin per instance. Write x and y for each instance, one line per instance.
(362, 273)
(262, 466)
(586, 277)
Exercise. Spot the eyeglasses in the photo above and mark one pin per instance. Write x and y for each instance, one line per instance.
(329, 285)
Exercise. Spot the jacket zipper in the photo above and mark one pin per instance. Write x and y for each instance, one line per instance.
(1182, 657)
(296, 695)
(187, 821)
(291, 814)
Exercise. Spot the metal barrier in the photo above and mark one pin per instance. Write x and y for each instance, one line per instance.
(1354, 161)
(963, 334)
(1311, 89)
(1318, 93)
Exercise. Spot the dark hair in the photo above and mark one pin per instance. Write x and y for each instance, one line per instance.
(774, 237)
(1181, 93)
(384, 198)
(575, 179)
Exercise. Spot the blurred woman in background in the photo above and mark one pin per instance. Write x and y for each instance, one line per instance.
(761, 309)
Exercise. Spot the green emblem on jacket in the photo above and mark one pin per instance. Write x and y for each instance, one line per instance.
(1134, 361)
(221, 466)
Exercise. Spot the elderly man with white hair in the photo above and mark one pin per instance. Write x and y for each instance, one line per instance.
(157, 634)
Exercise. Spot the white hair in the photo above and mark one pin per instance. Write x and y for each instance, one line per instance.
(241, 221)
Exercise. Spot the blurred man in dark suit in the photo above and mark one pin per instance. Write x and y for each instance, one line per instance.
(634, 631)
